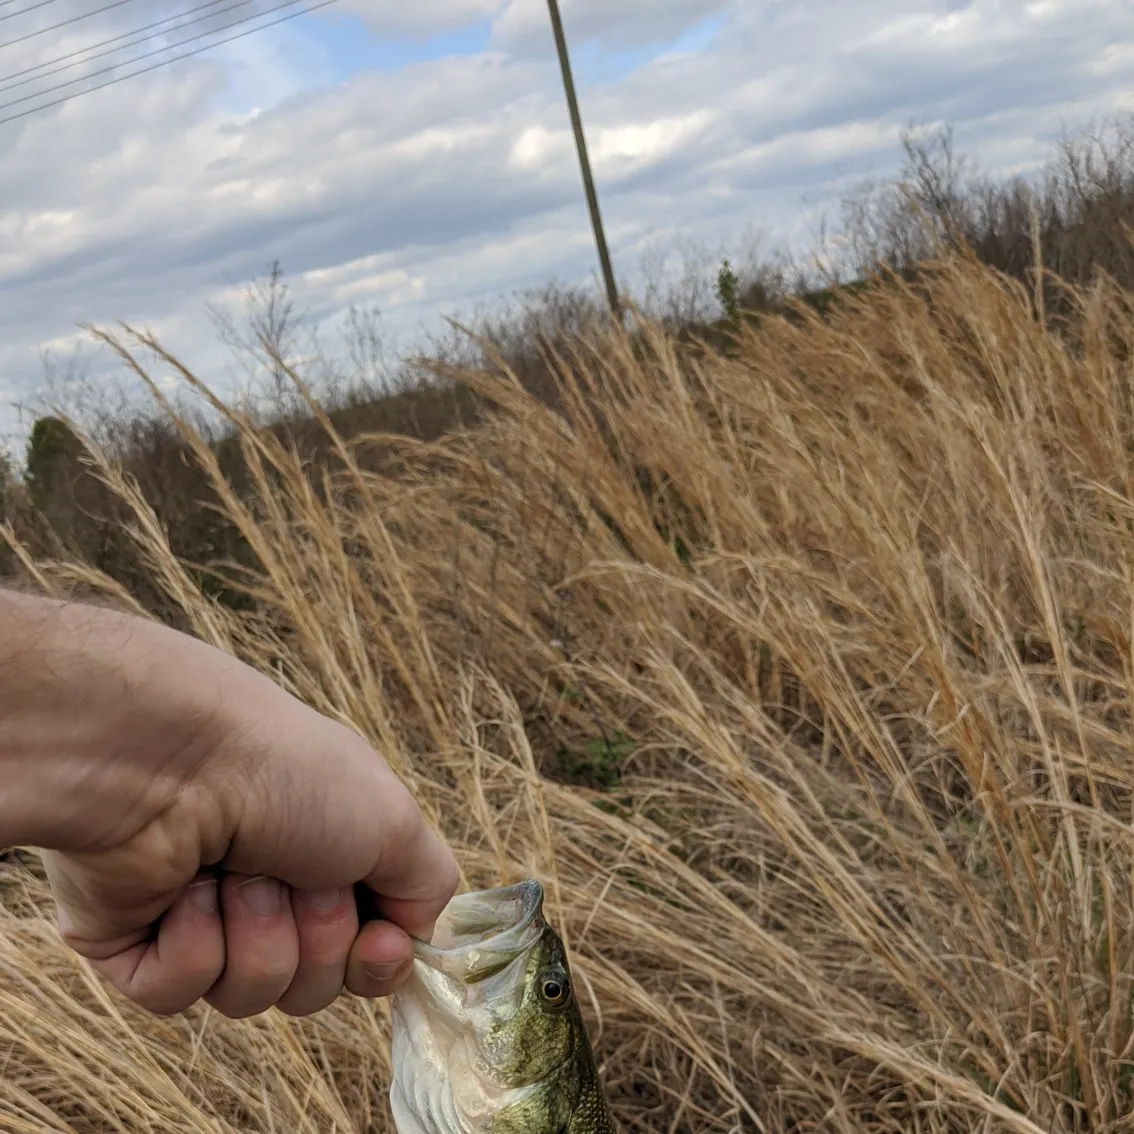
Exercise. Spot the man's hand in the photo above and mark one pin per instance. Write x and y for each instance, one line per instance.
(202, 829)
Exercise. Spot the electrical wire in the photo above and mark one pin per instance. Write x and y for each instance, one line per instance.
(48, 68)
(103, 42)
(155, 66)
(24, 11)
(145, 55)
(61, 24)
(157, 51)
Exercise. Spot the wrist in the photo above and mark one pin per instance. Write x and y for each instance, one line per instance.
(95, 740)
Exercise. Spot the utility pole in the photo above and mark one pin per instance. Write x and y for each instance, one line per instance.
(584, 161)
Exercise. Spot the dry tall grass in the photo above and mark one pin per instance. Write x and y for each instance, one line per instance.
(843, 624)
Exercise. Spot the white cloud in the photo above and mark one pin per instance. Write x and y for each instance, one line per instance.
(523, 24)
(613, 150)
(456, 180)
(396, 16)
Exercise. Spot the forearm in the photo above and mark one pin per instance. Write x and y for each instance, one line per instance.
(88, 723)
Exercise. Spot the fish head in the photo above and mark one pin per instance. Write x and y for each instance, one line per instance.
(487, 1033)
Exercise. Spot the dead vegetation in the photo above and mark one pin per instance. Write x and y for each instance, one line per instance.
(834, 630)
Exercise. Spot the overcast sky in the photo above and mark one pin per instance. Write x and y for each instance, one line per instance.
(417, 156)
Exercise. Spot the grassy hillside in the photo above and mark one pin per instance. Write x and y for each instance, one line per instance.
(1074, 217)
(833, 633)
(793, 653)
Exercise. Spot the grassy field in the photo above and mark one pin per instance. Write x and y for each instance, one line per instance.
(797, 668)
(799, 671)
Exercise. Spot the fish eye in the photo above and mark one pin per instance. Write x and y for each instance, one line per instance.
(555, 988)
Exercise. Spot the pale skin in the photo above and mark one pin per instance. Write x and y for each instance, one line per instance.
(201, 829)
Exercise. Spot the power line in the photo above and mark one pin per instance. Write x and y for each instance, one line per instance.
(154, 66)
(61, 24)
(48, 68)
(138, 58)
(24, 11)
(113, 39)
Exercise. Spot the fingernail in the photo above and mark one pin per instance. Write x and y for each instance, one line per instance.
(204, 895)
(263, 896)
(385, 971)
(322, 899)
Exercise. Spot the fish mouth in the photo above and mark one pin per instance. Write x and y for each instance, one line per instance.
(479, 933)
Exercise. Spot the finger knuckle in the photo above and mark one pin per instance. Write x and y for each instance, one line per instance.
(306, 1002)
(272, 974)
(164, 1001)
(404, 821)
(365, 987)
(236, 1004)
(449, 876)
(327, 956)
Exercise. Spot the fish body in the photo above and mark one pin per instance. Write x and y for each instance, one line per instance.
(487, 1033)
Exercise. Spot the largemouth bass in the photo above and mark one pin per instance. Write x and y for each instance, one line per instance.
(487, 1033)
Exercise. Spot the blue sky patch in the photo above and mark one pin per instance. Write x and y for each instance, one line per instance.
(594, 64)
(324, 49)
(318, 51)
(345, 46)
